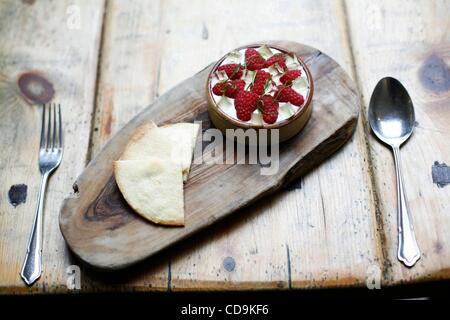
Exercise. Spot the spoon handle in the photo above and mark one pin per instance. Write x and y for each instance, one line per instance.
(408, 250)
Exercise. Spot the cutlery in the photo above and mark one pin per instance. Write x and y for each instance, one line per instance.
(50, 155)
(391, 117)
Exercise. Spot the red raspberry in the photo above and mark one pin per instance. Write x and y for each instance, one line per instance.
(229, 88)
(286, 94)
(254, 60)
(233, 71)
(281, 95)
(269, 108)
(290, 76)
(279, 58)
(245, 103)
(262, 78)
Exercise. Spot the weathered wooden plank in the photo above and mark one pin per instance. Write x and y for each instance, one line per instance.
(42, 57)
(130, 60)
(128, 81)
(409, 41)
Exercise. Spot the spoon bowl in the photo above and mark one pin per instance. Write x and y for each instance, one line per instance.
(392, 119)
(391, 112)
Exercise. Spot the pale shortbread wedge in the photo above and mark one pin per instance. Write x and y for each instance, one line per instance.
(153, 188)
(175, 142)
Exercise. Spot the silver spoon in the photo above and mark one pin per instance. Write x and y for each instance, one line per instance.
(391, 117)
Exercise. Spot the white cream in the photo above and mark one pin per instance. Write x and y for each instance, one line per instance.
(286, 110)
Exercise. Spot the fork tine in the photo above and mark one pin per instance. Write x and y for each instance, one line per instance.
(42, 142)
(60, 127)
(49, 127)
(54, 127)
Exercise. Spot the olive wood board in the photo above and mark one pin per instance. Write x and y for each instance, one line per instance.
(104, 232)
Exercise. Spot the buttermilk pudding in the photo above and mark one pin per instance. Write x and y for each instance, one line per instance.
(260, 85)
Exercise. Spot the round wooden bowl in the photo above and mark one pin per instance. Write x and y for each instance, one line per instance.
(287, 127)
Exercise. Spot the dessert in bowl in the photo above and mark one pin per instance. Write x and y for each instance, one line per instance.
(260, 87)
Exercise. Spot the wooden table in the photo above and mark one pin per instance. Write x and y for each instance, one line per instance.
(105, 61)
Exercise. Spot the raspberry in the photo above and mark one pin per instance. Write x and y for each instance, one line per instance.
(279, 58)
(245, 103)
(286, 94)
(254, 60)
(295, 98)
(229, 88)
(290, 76)
(281, 95)
(262, 78)
(269, 108)
(233, 71)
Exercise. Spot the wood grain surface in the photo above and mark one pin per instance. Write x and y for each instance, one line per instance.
(103, 231)
(42, 59)
(417, 53)
(290, 240)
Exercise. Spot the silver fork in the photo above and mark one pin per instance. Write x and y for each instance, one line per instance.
(50, 155)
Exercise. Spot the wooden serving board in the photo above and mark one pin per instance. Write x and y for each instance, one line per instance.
(103, 231)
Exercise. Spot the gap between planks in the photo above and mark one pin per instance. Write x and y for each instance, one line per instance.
(366, 131)
(97, 80)
(98, 75)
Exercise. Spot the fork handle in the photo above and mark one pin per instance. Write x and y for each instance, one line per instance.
(32, 265)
